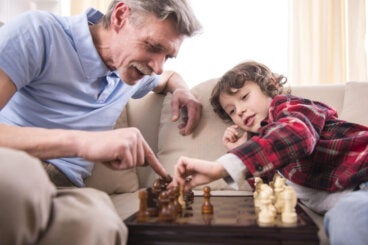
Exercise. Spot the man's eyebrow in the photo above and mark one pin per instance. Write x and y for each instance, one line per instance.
(160, 47)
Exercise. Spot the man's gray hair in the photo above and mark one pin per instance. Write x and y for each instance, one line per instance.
(179, 10)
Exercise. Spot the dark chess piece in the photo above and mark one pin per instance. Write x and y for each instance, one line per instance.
(172, 204)
(143, 215)
(207, 207)
(152, 203)
(168, 179)
(189, 197)
(165, 214)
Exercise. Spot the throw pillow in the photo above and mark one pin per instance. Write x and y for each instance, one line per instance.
(355, 101)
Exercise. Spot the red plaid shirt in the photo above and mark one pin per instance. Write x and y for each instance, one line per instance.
(306, 142)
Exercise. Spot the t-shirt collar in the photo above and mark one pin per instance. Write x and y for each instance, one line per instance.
(90, 59)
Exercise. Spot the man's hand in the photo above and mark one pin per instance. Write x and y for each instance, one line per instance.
(234, 137)
(186, 106)
(119, 149)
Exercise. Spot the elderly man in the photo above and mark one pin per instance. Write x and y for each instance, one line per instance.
(63, 83)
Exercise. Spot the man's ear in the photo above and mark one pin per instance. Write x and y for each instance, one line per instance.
(119, 15)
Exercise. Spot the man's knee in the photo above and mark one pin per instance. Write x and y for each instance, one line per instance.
(85, 211)
(346, 222)
(26, 194)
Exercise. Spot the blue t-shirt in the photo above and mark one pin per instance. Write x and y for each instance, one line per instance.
(61, 80)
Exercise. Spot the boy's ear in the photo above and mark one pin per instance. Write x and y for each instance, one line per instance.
(274, 83)
(119, 16)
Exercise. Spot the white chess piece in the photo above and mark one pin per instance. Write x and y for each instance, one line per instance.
(279, 187)
(267, 212)
(289, 215)
(257, 184)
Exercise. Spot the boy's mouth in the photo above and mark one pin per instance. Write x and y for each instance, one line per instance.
(248, 121)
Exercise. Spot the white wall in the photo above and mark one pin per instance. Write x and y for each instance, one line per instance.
(11, 8)
(234, 31)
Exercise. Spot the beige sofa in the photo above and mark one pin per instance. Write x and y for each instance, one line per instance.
(152, 116)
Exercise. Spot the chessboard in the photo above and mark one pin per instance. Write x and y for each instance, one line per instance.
(233, 221)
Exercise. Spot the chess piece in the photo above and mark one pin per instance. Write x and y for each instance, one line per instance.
(178, 206)
(181, 199)
(165, 215)
(207, 207)
(289, 215)
(143, 215)
(257, 184)
(168, 179)
(152, 202)
(267, 212)
(279, 187)
(188, 197)
(172, 206)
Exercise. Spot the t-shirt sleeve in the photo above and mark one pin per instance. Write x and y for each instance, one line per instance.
(22, 50)
(147, 84)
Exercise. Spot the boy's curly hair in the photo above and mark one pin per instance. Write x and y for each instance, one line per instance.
(270, 83)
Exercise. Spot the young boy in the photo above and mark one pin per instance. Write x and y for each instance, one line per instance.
(324, 158)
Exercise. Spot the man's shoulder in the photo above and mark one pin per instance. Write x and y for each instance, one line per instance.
(37, 16)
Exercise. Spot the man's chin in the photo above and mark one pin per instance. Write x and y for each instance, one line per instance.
(131, 80)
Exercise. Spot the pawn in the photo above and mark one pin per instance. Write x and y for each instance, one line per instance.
(143, 215)
(172, 205)
(207, 207)
(289, 215)
(165, 214)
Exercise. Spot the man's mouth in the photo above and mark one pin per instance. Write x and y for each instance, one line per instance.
(141, 69)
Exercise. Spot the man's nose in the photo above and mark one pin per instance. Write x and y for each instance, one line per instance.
(157, 63)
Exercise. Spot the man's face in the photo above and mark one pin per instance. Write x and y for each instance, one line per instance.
(138, 50)
(247, 107)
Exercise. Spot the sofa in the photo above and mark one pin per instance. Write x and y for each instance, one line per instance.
(152, 116)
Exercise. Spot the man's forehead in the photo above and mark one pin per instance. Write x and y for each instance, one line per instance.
(163, 34)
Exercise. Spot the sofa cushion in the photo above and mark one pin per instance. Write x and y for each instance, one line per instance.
(145, 114)
(111, 181)
(355, 98)
(204, 143)
(331, 94)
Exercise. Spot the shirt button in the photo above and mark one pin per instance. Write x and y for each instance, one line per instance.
(259, 168)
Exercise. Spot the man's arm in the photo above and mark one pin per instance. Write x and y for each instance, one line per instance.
(118, 149)
(182, 101)
(7, 88)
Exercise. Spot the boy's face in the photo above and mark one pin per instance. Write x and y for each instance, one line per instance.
(247, 107)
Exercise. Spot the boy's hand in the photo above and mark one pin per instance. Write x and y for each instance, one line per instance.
(234, 137)
(192, 172)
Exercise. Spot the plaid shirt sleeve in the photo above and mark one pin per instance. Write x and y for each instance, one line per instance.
(291, 132)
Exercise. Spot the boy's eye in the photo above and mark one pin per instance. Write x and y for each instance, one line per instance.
(244, 96)
(231, 112)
